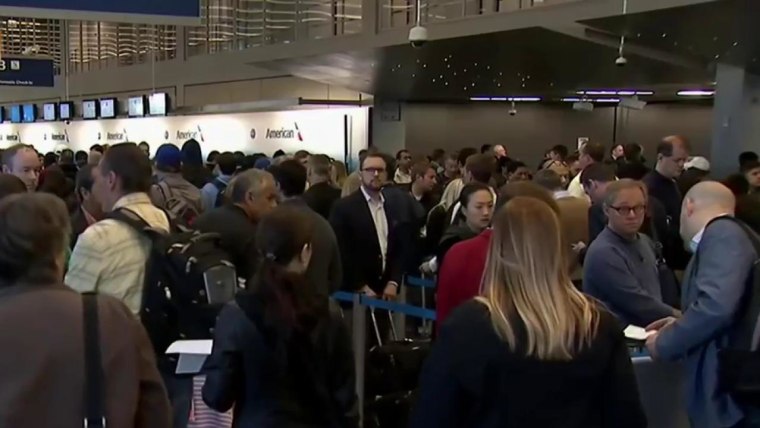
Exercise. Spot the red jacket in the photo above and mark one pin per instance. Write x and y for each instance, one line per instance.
(461, 274)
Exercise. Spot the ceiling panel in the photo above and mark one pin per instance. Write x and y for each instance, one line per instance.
(531, 61)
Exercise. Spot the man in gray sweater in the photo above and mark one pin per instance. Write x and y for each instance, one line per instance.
(620, 268)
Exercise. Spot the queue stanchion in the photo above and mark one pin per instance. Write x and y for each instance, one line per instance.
(359, 324)
(424, 285)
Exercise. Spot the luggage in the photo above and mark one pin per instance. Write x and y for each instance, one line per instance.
(392, 375)
(188, 279)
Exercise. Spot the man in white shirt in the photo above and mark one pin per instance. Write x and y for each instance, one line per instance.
(110, 256)
(403, 167)
(590, 153)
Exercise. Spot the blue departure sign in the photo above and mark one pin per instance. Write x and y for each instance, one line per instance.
(26, 72)
(148, 11)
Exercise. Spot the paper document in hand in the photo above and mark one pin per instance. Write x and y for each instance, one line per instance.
(637, 333)
(196, 347)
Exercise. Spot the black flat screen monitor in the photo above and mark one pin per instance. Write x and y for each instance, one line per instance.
(16, 114)
(108, 108)
(136, 107)
(29, 113)
(90, 109)
(50, 112)
(158, 104)
(66, 110)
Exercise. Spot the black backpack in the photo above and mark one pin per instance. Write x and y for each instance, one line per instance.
(220, 195)
(188, 279)
(739, 362)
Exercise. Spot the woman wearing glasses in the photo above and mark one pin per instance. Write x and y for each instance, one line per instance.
(621, 266)
(532, 351)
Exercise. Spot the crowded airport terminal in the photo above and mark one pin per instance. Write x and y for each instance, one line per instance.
(379, 214)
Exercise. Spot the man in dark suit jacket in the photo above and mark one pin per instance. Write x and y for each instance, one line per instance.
(321, 194)
(89, 210)
(368, 232)
(325, 271)
(252, 194)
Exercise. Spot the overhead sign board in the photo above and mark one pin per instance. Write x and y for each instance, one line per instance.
(139, 11)
(26, 72)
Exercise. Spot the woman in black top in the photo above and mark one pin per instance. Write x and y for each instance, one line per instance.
(475, 210)
(532, 351)
(282, 356)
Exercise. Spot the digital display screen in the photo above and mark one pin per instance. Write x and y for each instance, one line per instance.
(16, 114)
(66, 110)
(90, 109)
(29, 113)
(136, 107)
(108, 108)
(157, 104)
(50, 111)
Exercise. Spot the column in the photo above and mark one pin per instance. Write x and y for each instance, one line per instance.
(388, 128)
(736, 118)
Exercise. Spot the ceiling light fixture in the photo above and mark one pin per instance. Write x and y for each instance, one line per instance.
(570, 100)
(480, 98)
(695, 93)
(606, 100)
(525, 99)
(600, 93)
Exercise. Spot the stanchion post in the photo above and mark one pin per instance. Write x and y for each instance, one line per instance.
(359, 325)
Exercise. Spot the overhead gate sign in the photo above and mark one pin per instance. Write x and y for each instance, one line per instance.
(138, 11)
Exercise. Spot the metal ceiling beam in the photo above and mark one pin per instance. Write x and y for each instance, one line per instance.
(582, 32)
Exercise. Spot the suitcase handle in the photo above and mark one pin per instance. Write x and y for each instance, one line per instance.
(377, 329)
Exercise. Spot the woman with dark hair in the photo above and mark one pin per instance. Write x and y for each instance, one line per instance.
(474, 216)
(54, 181)
(282, 356)
(11, 185)
(43, 368)
(193, 169)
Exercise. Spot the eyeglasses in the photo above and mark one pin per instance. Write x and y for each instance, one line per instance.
(626, 211)
(374, 170)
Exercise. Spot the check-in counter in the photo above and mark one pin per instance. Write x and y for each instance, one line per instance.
(662, 392)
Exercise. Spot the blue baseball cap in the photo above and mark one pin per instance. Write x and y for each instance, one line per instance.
(169, 156)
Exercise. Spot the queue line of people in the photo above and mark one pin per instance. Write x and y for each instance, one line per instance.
(505, 245)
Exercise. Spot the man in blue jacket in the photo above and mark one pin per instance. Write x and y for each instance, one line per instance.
(713, 286)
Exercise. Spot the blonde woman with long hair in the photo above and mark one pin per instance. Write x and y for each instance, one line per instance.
(531, 351)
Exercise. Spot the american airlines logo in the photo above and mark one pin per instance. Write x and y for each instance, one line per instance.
(285, 133)
(194, 135)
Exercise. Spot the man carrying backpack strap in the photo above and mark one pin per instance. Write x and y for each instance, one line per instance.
(213, 193)
(716, 286)
(180, 198)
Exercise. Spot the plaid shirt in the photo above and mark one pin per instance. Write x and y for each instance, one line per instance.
(110, 256)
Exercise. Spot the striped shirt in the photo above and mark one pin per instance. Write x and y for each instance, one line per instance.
(110, 256)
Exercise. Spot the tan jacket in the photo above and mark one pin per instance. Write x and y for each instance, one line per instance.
(42, 362)
(574, 218)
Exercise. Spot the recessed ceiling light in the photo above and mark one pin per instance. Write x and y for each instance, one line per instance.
(606, 100)
(525, 99)
(571, 100)
(499, 99)
(626, 93)
(480, 98)
(644, 92)
(601, 92)
(695, 93)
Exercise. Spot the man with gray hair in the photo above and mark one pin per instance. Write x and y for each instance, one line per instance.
(620, 268)
(251, 194)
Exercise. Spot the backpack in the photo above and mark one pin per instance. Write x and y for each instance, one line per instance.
(220, 194)
(188, 279)
(739, 362)
(180, 210)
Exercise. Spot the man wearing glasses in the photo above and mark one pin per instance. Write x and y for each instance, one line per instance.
(620, 268)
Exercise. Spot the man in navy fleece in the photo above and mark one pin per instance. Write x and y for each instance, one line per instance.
(620, 268)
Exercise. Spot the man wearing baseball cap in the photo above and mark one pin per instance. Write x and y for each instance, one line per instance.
(171, 189)
(696, 169)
